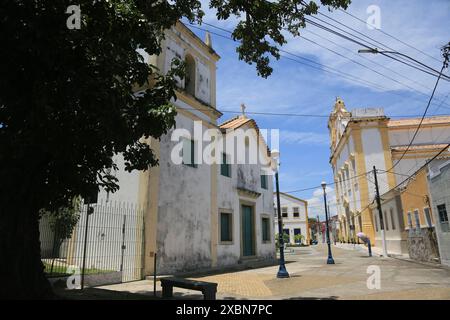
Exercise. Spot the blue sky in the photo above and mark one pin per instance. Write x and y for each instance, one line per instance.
(295, 88)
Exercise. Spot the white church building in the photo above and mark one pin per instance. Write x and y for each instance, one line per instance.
(201, 214)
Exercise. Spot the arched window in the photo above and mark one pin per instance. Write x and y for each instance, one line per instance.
(190, 75)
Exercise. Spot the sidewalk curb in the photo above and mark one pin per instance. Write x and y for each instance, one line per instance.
(423, 263)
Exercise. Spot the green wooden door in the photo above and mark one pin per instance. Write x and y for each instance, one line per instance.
(247, 231)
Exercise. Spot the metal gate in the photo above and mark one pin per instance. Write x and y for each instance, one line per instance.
(108, 242)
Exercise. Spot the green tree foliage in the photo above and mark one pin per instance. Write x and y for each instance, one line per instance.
(263, 22)
(286, 239)
(298, 238)
(63, 220)
(68, 102)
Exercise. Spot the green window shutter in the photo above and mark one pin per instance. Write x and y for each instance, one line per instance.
(263, 181)
(225, 168)
(189, 153)
(265, 229)
(225, 227)
(193, 154)
(186, 152)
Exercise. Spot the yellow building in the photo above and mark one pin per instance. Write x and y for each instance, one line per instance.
(364, 138)
(416, 204)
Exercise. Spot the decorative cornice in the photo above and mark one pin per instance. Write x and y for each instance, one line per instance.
(248, 193)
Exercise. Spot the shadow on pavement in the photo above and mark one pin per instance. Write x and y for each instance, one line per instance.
(103, 294)
(313, 298)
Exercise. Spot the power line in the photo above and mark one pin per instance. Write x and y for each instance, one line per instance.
(422, 167)
(418, 170)
(316, 65)
(430, 99)
(365, 45)
(333, 203)
(371, 43)
(391, 36)
(354, 61)
(223, 29)
(364, 35)
(396, 173)
(365, 66)
(303, 115)
(366, 59)
(362, 210)
(423, 117)
(262, 113)
(328, 184)
(305, 189)
(442, 102)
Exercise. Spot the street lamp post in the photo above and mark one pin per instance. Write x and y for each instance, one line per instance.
(282, 272)
(330, 259)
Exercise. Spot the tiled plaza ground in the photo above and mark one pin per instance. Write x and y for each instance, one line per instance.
(312, 278)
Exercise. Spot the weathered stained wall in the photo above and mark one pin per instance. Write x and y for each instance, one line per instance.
(422, 243)
(423, 246)
(245, 176)
(184, 210)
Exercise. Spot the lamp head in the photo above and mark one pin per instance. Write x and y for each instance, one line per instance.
(368, 50)
(324, 185)
(275, 155)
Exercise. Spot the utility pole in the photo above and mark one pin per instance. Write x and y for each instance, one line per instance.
(380, 212)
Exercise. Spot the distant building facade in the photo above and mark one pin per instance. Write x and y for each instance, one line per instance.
(439, 186)
(294, 212)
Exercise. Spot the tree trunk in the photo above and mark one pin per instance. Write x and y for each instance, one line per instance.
(20, 258)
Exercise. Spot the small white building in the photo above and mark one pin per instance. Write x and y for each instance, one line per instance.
(294, 212)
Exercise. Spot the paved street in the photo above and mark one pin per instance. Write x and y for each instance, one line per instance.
(312, 278)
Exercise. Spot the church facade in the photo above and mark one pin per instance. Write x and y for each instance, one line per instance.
(201, 214)
(364, 138)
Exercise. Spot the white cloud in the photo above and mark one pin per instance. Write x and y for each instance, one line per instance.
(298, 137)
(316, 203)
(422, 25)
(398, 18)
